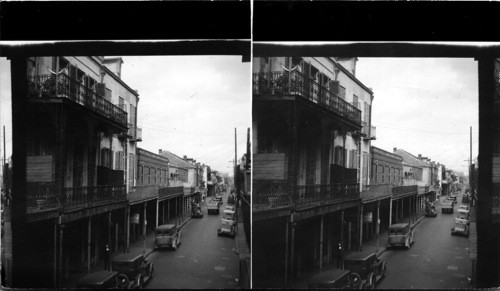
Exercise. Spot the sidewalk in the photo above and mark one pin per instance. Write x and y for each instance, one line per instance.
(370, 245)
(137, 247)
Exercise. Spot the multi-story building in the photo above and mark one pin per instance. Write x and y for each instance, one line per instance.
(417, 172)
(182, 174)
(311, 146)
(79, 155)
(386, 173)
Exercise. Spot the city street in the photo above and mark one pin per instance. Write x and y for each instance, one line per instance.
(436, 260)
(203, 260)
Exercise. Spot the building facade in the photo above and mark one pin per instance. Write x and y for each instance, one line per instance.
(311, 146)
(79, 152)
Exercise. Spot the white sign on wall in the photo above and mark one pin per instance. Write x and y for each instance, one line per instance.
(134, 219)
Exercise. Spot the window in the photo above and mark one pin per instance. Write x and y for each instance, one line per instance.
(105, 158)
(355, 101)
(133, 113)
(366, 114)
(342, 92)
(338, 156)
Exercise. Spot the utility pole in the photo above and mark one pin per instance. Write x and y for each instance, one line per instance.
(235, 154)
(470, 160)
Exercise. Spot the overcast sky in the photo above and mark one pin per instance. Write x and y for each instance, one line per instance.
(190, 105)
(5, 107)
(424, 106)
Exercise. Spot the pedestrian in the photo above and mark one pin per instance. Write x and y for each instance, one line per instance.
(107, 254)
(340, 256)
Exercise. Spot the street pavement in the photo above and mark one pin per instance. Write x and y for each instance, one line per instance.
(203, 260)
(436, 260)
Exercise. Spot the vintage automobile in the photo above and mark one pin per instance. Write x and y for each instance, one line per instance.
(463, 206)
(213, 207)
(462, 216)
(103, 280)
(447, 206)
(400, 234)
(367, 265)
(230, 199)
(453, 196)
(430, 210)
(196, 212)
(336, 279)
(460, 229)
(137, 269)
(229, 216)
(226, 228)
(218, 197)
(167, 235)
(230, 207)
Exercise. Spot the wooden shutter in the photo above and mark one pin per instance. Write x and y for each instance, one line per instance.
(100, 89)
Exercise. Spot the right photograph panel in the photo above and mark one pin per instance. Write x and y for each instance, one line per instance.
(364, 170)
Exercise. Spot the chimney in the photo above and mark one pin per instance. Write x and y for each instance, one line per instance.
(419, 156)
(114, 65)
(395, 149)
(159, 151)
(184, 158)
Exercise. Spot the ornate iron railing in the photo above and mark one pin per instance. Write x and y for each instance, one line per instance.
(373, 192)
(423, 189)
(245, 211)
(143, 192)
(44, 86)
(46, 196)
(315, 195)
(273, 194)
(170, 192)
(283, 83)
(403, 190)
(270, 194)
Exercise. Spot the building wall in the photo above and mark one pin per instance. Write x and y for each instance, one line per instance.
(151, 166)
(387, 168)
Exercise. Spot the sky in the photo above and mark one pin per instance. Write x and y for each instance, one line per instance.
(424, 106)
(190, 105)
(5, 107)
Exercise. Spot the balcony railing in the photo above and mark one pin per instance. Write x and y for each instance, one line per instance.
(44, 86)
(188, 191)
(170, 192)
(143, 192)
(404, 190)
(365, 129)
(45, 196)
(275, 194)
(373, 132)
(423, 189)
(283, 83)
(374, 192)
(270, 194)
(315, 195)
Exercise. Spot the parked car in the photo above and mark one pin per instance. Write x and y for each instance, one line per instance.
(367, 265)
(226, 228)
(460, 228)
(230, 207)
(430, 211)
(137, 269)
(229, 216)
(463, 206)
(462, 216)
(103, 280)
(213, 207)
(336, 279)
(196, 212)
(167, 235)
(447, 206)
(401, 234)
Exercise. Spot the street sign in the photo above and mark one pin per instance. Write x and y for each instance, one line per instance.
(368, 217)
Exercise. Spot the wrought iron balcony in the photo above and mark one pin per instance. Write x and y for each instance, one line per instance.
(275, 194)
(45, 87)
(375, 192)
(283, 83)
(404, 190)
(46, 196)
(143, 192)
(170, 192)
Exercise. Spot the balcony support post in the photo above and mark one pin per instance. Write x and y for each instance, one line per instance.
(144, 225)
(289, 76)
(321, 242)
(325, 145)
(157, 212)
(89, 241)
(390, 211)
(292, 250)
(292, 122)
(360, 217)
(287, 250)
(342, 227)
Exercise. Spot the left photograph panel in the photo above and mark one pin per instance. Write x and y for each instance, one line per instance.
(133, 170)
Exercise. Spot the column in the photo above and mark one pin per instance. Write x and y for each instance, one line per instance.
(390, 211)
(109, 229)
(157, 211)
(342, 231)
(55, 253)
(144, 226)
(321, 242)
(116, 237)
(61, 243)
(127, 229)
(287, 225)
(377, 225)
(293, 163)
(292, 251)
(89, 242)
(360, 216)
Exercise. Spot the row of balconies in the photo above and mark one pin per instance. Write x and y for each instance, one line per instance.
(296, 83)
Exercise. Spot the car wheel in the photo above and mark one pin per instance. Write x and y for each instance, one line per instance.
(139, 281)
(371, 281)
(123, 281)
(356, 279)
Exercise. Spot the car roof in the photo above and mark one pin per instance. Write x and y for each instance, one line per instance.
(359, 256)
(165, 227)
(96, 278)
(127, 257)
(328, 276)
(399, 225)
